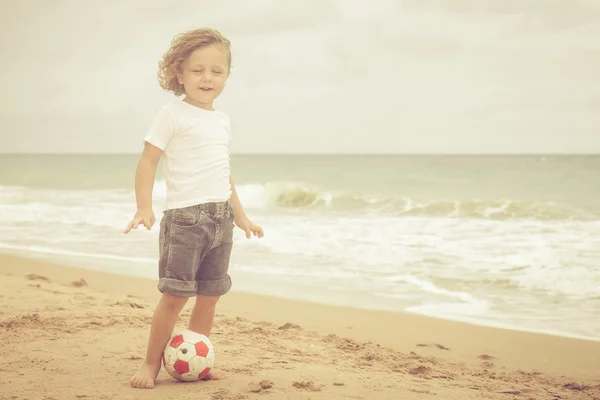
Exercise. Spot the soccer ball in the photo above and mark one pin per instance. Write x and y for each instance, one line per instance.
(188, 356)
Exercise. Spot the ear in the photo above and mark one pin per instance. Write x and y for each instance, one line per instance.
(178, 73)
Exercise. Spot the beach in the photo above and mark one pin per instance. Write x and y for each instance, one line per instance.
(74, 333)
(425, 172)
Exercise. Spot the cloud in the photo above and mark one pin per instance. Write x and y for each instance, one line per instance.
(318, 75)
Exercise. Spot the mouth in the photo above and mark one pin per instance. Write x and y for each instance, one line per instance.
(206, 89)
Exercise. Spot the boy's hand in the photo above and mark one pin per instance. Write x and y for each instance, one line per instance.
(249, 227)
(142, 217)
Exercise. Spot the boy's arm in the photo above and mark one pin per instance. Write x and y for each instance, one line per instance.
(238, 210)
(145, 175)
(240, 218)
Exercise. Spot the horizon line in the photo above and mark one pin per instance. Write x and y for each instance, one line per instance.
(549, 154)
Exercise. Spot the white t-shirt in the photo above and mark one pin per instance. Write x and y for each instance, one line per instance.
(196, 160)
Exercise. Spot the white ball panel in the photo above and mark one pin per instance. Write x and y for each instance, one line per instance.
(189, 377)
(186, 351)
(191, 336)
(197, 365)
(210, 358)
(170, 355)
(171, 371)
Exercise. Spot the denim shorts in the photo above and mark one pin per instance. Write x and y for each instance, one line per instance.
(195, 245)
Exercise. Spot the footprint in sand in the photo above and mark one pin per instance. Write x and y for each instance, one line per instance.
(128, 303)
(486, 357)
(577, 387)
(421, 370)
(309, 386)
(34, 277)
(289, 325)
(80, 283)
(224, 394)
(509, 391)
(260, 387)
(437, 346)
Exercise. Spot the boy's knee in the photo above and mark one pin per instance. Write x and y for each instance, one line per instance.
(175, 303)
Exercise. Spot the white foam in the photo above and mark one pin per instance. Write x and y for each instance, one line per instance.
(430, 287)
(463, 263)
(471, 309)
(576, 280)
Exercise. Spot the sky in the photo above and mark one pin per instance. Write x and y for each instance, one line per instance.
(317, 76)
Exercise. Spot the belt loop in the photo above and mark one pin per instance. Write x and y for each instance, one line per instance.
(220, 209)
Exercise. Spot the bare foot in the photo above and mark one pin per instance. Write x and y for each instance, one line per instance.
(144, 378)
(214, 375)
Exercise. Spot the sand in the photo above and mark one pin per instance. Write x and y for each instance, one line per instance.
(70, 333)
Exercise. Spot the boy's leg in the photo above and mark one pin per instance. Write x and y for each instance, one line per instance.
(163, 322)
(213, 280)
(203, 314)
(180, 245)
(201, 321)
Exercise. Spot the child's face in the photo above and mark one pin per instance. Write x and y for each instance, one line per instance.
(203, 75)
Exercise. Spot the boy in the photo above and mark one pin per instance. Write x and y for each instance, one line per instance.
(202, 205)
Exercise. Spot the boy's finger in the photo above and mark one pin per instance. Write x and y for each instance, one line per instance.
(128, 228)
(247, 233)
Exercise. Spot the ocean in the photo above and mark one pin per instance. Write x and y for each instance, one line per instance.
(504, 241)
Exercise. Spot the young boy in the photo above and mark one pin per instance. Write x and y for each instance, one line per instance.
(202, 205)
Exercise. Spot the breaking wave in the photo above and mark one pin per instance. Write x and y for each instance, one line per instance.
(299, 195)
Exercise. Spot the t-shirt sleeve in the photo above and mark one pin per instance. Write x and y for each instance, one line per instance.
(161, 130)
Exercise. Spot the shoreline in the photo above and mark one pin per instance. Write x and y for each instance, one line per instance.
(236, 303)
(56, 314)
(74, 260)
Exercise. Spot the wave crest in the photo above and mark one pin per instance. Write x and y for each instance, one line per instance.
(302, 195)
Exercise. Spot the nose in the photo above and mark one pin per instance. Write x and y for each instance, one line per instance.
(207, 76)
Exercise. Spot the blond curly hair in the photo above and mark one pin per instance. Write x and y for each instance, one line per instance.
(182, 46)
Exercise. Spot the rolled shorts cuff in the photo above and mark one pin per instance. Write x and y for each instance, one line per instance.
(176, 287)
(214, 288)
